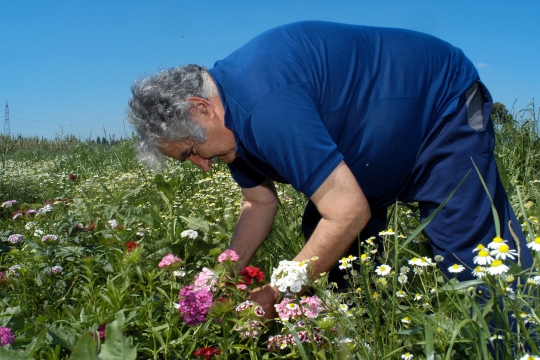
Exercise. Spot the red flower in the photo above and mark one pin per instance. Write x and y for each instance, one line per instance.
(130, 245)
(206, 352)
(101, 331)
(72, 177)
(251, 273)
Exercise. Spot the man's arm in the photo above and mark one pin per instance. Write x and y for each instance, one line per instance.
(345, 212)
(259, 206)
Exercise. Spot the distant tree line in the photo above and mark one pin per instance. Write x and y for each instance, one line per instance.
(104, 141)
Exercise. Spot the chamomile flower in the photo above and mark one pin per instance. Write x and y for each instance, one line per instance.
(497, 241)
(456, 268)
(417, 297)
(497, 267)
(387, 232)
(407, 356)
(483, 258)
(345, 263)
(406, 320)
(479, 271)
(496, 337)
(529, 357)
(401, 293)
(503, 252)
(402, 278)
(438, 258)
(535, 245)
(383, 270)
(404, 269)
(425, 261)
(364, 257)
(479, 247)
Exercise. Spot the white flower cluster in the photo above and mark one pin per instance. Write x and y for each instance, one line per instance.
(191, 234)
(290, 276)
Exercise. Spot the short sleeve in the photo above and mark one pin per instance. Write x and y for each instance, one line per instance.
(285, 130)
(244, 175)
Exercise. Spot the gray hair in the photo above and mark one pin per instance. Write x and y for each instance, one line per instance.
(159, 109)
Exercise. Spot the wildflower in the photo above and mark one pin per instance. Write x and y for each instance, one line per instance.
(13, 270)
(130, 245)
(194, 304)
(101, 330)
(205, 280)
(57, 269)
(248, 304)
(251, 273)
(479, 271)
(424, 261)
(8, 203)
(228, 255)
(290, 276)
(179, 273)
(344, 263)
(479, 247)
(418, 270)
(414, 261)
(31, 212)
(309, 306)
(383, 270)
(206, 352)
(404, 269)
(47, 208)
(535, 245)
(354, 272)
(417, 297)
(407, 356)
(241, 286)
(6, 336)
(190, 234)
(406, 320)
(343, 307)
(402, 278)
(168, 260)
(17, 214)
(529, 357)
(15, 238)
(387, 232)
(370, 241)
(401, 294)
(113, 224)
(497, 267)
(497, 241)
(49, 237)
(456, 268)
(364, 257)
(483, 258)
(504, 251)
(72, 177)
(438, 258)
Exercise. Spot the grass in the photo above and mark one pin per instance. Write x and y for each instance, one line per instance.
(410, 311)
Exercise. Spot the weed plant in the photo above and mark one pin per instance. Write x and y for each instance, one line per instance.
(95, 251)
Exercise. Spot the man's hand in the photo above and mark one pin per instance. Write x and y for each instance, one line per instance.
(266, 296)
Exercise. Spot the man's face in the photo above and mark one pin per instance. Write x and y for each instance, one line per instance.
(220, 145)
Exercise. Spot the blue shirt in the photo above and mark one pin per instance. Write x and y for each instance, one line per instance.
(302, 97)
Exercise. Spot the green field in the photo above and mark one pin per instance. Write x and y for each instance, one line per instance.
(80, 249)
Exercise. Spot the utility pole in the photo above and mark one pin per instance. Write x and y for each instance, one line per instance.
(7, 130)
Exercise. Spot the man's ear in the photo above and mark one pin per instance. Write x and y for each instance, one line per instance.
(200, 105)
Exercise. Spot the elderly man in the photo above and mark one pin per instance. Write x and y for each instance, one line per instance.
(355, 118)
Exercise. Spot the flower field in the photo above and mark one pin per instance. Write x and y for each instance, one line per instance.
(103, 259)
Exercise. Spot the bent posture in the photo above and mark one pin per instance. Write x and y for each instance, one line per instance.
(355, 118)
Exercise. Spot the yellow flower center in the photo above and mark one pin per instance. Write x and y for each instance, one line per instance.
(483, 253)
(364, 256)
(455, 266)
(496, 263)
(497, 239)
(480, 247)
(504, 248)
(537, 240)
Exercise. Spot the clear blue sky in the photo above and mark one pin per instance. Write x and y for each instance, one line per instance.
(66, 66)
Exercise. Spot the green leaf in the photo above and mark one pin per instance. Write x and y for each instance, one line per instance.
(85, 348)
(36, 343)
(196, 223)
(117, 346)
(454, 285)
(12, 355)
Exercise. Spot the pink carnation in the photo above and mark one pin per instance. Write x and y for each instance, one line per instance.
(205, 280)
(228, 255)
(310, 307)
(194, 304)
(168, 260)
(6, 336)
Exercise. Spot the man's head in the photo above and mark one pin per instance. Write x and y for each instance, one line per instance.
(174, 112)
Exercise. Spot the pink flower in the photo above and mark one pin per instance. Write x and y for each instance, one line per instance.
(241, 286)
(194, 304)
(310, 307)
(168, 260)
(228, 255)
(6, 336)
(205, 280)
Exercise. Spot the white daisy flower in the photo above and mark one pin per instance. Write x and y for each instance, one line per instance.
(535, 245)
(456, 268)
(383, 270)
(497, 267)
